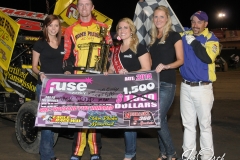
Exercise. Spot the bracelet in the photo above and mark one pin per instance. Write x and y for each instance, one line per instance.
(39, 73)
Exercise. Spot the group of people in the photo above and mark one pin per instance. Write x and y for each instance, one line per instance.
(192, 51)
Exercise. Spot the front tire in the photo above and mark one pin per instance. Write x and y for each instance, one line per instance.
(28, 136)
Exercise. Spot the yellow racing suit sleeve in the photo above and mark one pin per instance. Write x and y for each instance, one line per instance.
(213, 50)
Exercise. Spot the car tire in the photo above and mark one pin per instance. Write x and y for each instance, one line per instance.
(28, 136)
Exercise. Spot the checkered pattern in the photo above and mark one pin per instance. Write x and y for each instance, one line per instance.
(143, 15)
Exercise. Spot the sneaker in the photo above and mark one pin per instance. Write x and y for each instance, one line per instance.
(75, 158)
(96, 157)
(133, 158)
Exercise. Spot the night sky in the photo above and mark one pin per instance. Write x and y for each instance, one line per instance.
(117, 9)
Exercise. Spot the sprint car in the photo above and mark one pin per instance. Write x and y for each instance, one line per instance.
(19, 30)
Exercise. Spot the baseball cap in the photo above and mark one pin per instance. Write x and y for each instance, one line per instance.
(201, 15)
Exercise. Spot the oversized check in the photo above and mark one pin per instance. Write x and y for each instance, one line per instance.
(99, 101)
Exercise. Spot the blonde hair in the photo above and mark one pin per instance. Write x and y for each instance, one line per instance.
(134, 40)
(166, 29)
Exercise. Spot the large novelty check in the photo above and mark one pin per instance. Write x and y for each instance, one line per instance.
(99, 101)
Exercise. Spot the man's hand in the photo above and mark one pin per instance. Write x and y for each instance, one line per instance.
(190, 38)
(67, 72)
(105, 73)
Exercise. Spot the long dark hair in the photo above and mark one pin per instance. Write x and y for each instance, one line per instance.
(48, 20)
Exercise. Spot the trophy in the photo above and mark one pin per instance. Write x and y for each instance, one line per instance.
(101, 60)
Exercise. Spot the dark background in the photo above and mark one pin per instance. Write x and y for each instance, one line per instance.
(117, 9)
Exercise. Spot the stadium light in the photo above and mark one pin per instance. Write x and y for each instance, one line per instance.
(221, 15)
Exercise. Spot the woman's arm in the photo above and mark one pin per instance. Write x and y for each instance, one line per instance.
(179, 56)
(35, 61)
(145, 61)
(111, 69)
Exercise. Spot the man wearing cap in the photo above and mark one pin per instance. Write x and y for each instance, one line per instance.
(201, 47)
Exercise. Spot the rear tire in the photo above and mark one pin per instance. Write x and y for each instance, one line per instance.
(28, 136)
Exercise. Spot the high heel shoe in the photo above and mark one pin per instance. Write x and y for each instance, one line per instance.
(133, 158)
(162, 157)
(170, 157)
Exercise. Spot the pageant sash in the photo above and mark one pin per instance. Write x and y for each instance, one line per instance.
(116, 59)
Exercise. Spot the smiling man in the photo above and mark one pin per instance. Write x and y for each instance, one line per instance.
(196, 96)
(77, 39)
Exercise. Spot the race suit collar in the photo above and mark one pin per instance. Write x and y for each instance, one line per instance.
(204, 32)
(86, 23)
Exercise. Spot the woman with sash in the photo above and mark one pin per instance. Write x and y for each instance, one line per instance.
(130, 56)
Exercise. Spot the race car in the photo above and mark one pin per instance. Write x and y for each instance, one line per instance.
(19, 30)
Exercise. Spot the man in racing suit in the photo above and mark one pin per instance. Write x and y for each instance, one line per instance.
(76, 44)
(201, 48)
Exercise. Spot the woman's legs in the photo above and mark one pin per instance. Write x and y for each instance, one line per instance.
(47, 137)
(167, 92)
(46, 145)
(130, 143)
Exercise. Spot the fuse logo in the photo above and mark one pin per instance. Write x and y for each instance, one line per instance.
(67, 85)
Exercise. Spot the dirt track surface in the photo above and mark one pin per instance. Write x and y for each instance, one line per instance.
(225, 124)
